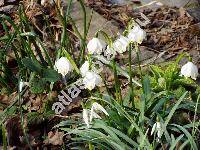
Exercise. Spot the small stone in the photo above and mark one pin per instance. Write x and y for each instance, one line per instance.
(97, 22)
(194, 12)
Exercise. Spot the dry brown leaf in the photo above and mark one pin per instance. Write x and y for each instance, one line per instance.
(54, 138)
(8, 99)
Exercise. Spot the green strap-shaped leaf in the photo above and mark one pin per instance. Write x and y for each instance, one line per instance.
(32, 65)
(50, 75)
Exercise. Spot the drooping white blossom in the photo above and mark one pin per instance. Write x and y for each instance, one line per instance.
(21, 85)
(121, 44)
(136, 34)
(94, 115)
(86, 114)
(96, 46)
(84, 68)
(63, 66)
(157, 127)
(91, 80)
(86, 117)
(189, 70)
(97, 107)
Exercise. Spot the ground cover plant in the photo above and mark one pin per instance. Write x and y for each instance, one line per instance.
(70, 92)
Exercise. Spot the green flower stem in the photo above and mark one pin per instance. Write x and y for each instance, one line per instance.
(104, 81)
(4, 137)
(106, 37)
(85, 31)
(71, 60)
(22, 117)
(45, 52)
(131, 75)
(138, 59)
(117, 85)
(89, 60)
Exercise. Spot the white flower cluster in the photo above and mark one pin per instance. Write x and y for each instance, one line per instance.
(90, 78)
(97, 46)
(136, 34)
(88, 115)
(89, 73)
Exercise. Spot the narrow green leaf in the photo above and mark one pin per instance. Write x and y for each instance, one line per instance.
(71, 61)
(190, 138)
(174, 109)
(125, 137)
(32, 65)
(173, 145)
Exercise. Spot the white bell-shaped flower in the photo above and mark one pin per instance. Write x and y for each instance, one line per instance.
(86, 117)
(86, 114)
(63, 66)
(84, 68)
(97, 107)
(189, 70)
(91, 80)
(121, 44)
(21, 85)
(157, 127)
(137, 34)
(96, 46)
